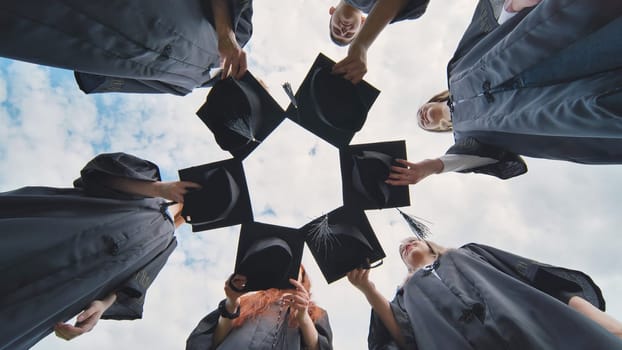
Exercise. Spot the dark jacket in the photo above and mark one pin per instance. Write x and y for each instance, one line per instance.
(121, 46)
(547, 83)
(62, 248)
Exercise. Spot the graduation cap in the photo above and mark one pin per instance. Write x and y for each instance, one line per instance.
(241, 114)
(268, 255)
(341, 241)
(223, 199)
(364, 169)
(330, 106)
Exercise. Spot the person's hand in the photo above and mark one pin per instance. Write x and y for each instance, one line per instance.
(232, 57)
(354, 66)
(360, 279)
(518, 5)
(233, 297)
(413, 172)
(298, 301)
(86, 320)
(175, 190)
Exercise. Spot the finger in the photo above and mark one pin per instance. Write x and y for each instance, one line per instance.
(400, 182)
(189, 184)
(298, 285)
(405, 162)
(235, 66)
(399, 169)
(395, 176)
(91, 310)
(225, 68)
(242, 66)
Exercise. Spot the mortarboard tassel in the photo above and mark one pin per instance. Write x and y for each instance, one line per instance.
(321, 235)
(241, 126)
(419, 228)
(290, 93)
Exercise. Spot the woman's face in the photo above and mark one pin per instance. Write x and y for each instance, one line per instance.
(433, 116)
(413, 250)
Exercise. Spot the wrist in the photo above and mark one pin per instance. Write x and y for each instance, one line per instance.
(225, 312)
(436, 165)
(232, 305)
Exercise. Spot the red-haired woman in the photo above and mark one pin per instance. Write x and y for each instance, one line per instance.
(267, 319)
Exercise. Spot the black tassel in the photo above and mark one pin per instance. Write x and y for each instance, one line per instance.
(290, 93)
(419, 228)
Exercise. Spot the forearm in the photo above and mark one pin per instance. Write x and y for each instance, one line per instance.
(222, 18)
(590, 311)
(132, 186)
(309, 333)
(382, 14)
(224, 326)
(382, 308)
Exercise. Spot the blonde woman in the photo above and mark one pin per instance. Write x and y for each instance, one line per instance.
(480, 297)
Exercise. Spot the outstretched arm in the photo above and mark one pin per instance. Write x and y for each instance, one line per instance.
(360, 279)
(354, 66)
(590, 311)
(232, 303)
(172, 190)
(413, 172)
(233, 58)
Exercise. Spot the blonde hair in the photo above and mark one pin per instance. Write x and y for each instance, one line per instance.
(441, 97)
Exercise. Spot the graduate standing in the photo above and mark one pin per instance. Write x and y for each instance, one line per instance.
(546, 83)
(156, 46)
(95, 247)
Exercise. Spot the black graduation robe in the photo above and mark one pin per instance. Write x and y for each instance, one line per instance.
(269, 330)
(158, 46)
(480, 297)
(62, 248)
(547, 83)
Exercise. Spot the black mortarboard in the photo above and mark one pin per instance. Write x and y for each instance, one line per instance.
(241, 114)
(223, 199)
(330, 106)
(268, 255)
(364, 170)
(341, 241)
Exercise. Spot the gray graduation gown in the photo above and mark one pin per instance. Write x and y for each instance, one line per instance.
(121, 45)
(267, 331)
(547, 84)
(62, 248)
(481, 297)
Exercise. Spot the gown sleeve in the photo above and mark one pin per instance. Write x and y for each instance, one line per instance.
(202, 336)
(508, 164)
(379, 337)
(131, 294)
(115, 164)
(412, 10)
(558, 282)
(325, 333)
(94, 83)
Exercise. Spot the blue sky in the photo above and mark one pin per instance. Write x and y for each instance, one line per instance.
(561, 213)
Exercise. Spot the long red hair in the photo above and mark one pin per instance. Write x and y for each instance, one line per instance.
(256, 303)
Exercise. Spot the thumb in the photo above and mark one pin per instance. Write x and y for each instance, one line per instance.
(90, 311)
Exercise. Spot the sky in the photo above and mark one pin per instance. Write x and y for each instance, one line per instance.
(559, 213)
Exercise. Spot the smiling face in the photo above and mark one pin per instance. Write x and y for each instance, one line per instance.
(434, 116)
(345, 23)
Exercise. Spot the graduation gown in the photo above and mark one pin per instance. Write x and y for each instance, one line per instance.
(62, 248)
(158, 46)
(479, 297)
(269, 330)
(547, 83)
